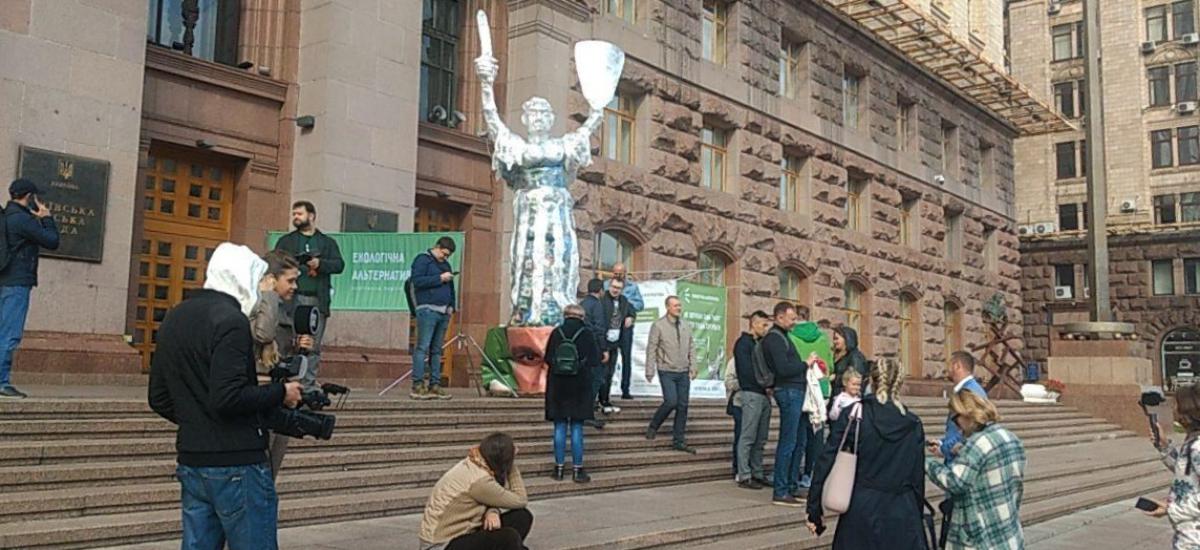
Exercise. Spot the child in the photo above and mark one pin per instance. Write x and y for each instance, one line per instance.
(852, 382)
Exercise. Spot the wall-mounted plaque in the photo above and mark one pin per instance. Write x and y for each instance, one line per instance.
(360, 219)
(75, 189)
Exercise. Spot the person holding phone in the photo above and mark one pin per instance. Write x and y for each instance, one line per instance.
(1183, 503)
(28, 228)
(433, 298)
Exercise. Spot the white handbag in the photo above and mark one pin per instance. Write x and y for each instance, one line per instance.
(839, 485)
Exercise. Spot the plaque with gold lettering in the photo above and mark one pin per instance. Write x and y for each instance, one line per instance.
(75, 189)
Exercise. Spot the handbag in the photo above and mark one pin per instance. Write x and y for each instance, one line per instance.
(839, 485)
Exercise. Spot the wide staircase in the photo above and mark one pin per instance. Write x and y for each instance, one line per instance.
(85, 473)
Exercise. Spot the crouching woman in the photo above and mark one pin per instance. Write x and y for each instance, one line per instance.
(466, 510)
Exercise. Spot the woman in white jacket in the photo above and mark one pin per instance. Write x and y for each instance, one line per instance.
(1183, 502)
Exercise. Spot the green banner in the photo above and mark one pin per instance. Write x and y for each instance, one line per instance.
(377, 265)
(704, 312)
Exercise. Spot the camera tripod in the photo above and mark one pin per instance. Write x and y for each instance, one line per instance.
(464, 342)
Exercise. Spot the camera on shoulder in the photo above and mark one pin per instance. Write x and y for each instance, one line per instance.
(304, 421)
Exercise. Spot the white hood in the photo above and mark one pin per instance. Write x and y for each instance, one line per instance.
(236, 270)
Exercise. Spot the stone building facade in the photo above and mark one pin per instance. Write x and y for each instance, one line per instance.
(898, 211)
(1152, 148)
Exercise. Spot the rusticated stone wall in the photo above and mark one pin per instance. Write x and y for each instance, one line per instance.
(658, 203)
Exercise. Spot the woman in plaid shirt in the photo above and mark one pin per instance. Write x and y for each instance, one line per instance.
(986, 479)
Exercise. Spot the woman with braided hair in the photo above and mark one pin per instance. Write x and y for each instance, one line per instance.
(889, 483)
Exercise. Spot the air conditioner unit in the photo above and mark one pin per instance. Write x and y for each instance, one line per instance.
(1024, 230)
(1062, 293)
(1044, 228)
(1186, 107)
(1054, 8)
(1129, 206)
(1190, 38)
(1148, 47)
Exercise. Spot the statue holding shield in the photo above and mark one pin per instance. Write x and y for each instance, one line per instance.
(544, 253)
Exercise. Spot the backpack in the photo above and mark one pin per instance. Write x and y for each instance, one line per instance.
(5, 253)
(566, 357)
(410, 292)
(762, 372)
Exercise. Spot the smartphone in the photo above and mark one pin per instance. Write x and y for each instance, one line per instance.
(1146, 504)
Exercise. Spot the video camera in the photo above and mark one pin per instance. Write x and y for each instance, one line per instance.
(298, 422)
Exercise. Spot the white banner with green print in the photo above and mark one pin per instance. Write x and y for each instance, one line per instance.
(704, 313)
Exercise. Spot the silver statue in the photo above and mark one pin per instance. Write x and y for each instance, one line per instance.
(544, 255)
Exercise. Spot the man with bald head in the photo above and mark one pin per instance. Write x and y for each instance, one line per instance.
(625, 345)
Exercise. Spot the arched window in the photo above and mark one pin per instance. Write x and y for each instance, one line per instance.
(910, 334)
(953, 327)
(713, 267)
(613, 248)
(793, 286)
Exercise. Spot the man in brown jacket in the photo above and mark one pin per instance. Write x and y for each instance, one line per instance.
(671, 352)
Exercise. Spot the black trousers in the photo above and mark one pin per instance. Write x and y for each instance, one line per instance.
(626, 359)
(514, 527)
(605, 390)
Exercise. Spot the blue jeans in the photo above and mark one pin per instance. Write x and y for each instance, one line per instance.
(560, 442)
(790, 451)
(676, 389)
(233, 504)
(14, 307)
(431, 331)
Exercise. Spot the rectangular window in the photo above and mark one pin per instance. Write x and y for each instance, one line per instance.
(908, 222)
(1083, 159)
(1064, 98)
(214, 35)
(1182, 18)
(1161, 155)
(1068, 217)
(1191, 275)
(1160, 86)
(620, 122)
(1189, 145)
(624, 9)
(713, 40)
(1163, 277)
(792, 184)
(790, 56)
(1064, 275)
(1185, 82)
(906, 123)
(949, 149)
(713, 144)
(954, 236)
(439, 60)
(856, 204)
(1079, 39)
(990, 250)
(1164, 209)
(1189, 207)
(851, 97)
(1064, 154)
(1061, 35)
(987, 165)
(1081, 104)
(1083, 210)
(1156, 24)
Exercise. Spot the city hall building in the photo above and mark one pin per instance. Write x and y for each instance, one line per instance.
(853, 157)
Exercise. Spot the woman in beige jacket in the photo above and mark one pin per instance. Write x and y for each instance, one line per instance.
(464, 511)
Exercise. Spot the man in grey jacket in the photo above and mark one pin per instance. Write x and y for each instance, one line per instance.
(670, 352)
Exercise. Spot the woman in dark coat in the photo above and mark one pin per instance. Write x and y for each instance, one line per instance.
(569, 397)
(846, 355)
(889, 483)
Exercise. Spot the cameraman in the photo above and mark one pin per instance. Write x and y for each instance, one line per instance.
(321, 260)
(202, 379)
(274, 333)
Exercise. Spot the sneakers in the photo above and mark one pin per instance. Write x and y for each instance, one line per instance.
(419, 391)
(787, 501)
(651, 433)
(581, 476)
(627, 397)
(558, 472)
(764, 481)
(10, 392)
(805, 482)
(750, 484)
(610, 409)
(683, 448)
(436, 392)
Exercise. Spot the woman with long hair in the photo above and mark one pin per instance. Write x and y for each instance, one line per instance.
(465, 511)
(985, 480)
(889, 482)
(1183, 502)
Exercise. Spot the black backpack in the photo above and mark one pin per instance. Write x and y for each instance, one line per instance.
(410, 292)
(5, 253)
(762, 371)
(566, 357)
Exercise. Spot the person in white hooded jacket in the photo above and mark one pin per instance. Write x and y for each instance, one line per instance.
(202, 379)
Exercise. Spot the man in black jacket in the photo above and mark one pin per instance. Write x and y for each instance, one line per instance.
(322, 259)
(791, 382)
(202, 379)
(595, 321)
(29, 228)
(756, 405)
(618, 315)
